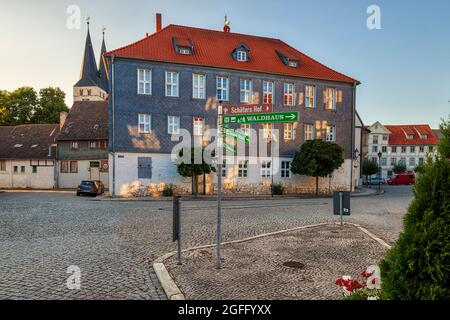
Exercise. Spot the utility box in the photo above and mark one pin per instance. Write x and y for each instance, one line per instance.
(341, 200)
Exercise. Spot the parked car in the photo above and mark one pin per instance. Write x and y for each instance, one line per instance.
(91, 187)
(375, 181)
(402, 179)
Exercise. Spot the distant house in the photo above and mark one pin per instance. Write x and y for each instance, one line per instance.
(410, 145)
(28, 156)
(83, 141)
(83, 145)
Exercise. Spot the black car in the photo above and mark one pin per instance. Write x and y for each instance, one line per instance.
(91, 188)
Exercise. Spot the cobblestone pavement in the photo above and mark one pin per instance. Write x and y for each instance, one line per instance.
(114, 243)
(255, 269)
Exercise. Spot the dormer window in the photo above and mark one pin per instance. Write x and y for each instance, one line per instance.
(241, 53)
(424, 136)
(410, 137)
(183, 46)
(288, 59)
(242, 56)
(185, 50)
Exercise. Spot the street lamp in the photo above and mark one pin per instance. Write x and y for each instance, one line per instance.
(379, 170)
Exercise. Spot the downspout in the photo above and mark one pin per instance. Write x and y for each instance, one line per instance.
(352, 150)
(113, 144)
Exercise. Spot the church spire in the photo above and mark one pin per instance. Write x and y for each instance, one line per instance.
(103, 78)
(89, 72)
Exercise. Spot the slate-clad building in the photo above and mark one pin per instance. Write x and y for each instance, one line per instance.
(174, 79)
(28, 156)
(83, 141)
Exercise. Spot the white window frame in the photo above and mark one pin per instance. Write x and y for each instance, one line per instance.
(310, 101)
(144, 123)
(243, 169)
(267, 131)
(198, 126)
(309, 134)
(242, 56)
(266, 169)
(173, 125)
(198, 86)
(246, 128)
(331, 134)
(146, 81)
(172, 84)
(330, 98)
(185, 50)
(222, 88)
(288, 131)
(412, 162)
(268, 91)
(246, 90)
(285, 169)
(289, 93)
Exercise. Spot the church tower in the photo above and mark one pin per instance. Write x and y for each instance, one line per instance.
(93, 83)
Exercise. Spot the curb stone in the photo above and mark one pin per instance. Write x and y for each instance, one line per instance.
(173, 292)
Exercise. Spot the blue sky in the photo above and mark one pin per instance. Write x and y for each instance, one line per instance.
(404, 67)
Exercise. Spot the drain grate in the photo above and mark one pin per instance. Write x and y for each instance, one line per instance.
(294, 265)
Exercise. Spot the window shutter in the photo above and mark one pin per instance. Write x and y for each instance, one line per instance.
(144, 168)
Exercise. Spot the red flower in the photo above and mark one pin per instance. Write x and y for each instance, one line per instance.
(374, 281)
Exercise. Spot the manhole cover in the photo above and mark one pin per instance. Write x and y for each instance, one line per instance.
(294, 265)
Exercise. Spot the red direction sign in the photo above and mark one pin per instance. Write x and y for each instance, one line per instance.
(247, 109)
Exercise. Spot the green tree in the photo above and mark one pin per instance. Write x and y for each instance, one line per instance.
(317, 158)
(20, 106)
(444, 144)
(418, 266)
(369, 168)
(4, 112)
(399, 168)
(187, 166)
(51, 104)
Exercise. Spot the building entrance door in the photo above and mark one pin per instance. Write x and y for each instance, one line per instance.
(95, 170)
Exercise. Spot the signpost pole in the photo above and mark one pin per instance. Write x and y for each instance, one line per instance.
(341, 207)
(177, 226)
(219, 187)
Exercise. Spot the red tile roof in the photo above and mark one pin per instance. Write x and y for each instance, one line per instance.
(398, 136)
(213, 48)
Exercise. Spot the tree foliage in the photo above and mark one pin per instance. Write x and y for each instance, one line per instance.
(418, 266)
(399, 168)
(25, 106)
(189, 167)
(317, 158)
(444, 144)
(51, 104)
(369, 168)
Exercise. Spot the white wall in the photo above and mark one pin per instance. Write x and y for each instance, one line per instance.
(44, 178)
(164, 172)
(72, 180)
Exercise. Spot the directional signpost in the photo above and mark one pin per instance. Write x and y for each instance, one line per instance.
(244, 114)
(282, 117)
(236, 134)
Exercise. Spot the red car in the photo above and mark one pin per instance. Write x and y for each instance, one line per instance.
(402, 179)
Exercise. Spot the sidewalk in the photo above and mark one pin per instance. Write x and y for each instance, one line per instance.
(358, 193)
(295, 265)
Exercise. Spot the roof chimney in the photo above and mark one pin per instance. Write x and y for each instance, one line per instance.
(158, 22)
(62, 119)
(226, 25)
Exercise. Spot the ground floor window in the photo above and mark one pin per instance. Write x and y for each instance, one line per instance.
(19, 169)
(2, 165)
(266, 171)
(34, 169)
(285, 169)
(73, 166)
(243, 169)
(64, 167)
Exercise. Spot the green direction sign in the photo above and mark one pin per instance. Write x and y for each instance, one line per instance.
(228, 147)
(236, 134)
(262, 118)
